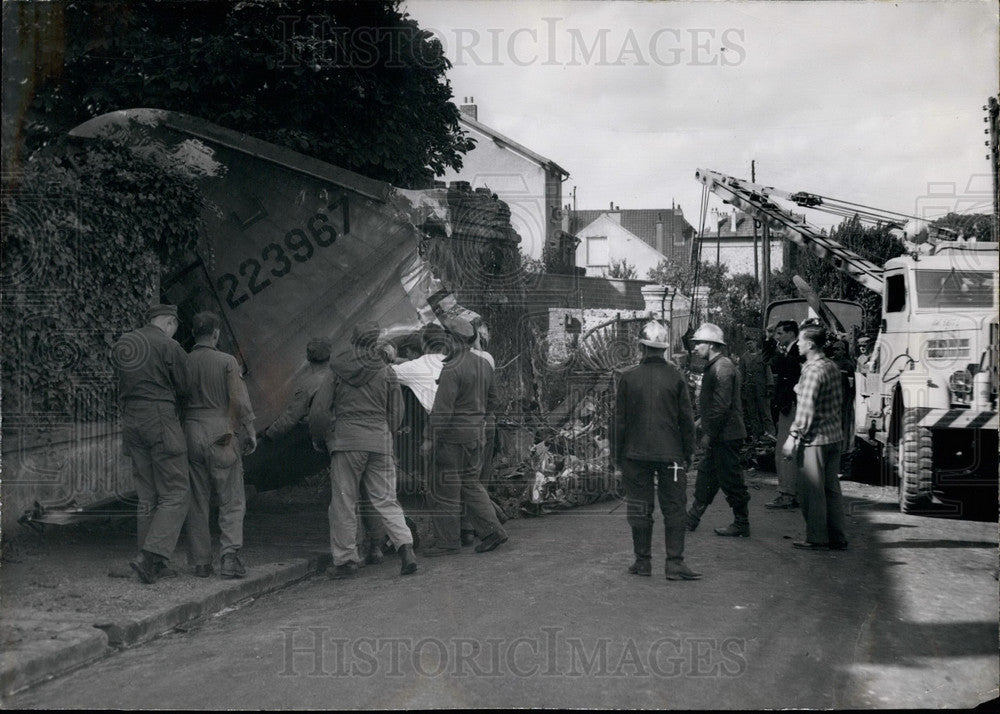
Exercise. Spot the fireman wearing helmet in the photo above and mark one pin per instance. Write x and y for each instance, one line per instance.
(721, 415)
(654, 438)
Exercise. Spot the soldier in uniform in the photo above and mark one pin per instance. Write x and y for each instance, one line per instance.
(218, 422)
(653, 442)
(153, 378)
(307, 384)
(465, 395)
(362, 408)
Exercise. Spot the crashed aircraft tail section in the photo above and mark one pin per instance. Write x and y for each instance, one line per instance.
(297, 248)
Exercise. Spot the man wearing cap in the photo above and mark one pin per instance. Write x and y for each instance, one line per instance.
(454, 434)
(721, 415)
(218, 423)
(362, 404)
(654, 439)
(305, 386)
(153, 379)
(479, 348)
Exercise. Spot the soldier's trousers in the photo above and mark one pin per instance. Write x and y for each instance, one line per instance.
(485, 471)
(452, 482)
(215, 463)
(348, 470)
(154, 441)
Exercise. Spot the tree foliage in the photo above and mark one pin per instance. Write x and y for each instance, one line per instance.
(968, 225)
(681, 275)
(874, 243)
(622, 270)
(357, 84)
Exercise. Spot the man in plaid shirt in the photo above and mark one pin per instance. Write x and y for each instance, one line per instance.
(815, 440)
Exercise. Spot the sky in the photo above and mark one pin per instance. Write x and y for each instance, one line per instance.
(874, 102)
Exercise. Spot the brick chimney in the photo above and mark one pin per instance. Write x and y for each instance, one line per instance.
(468, 108)
(659, 234)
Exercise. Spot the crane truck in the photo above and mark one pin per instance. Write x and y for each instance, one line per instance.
(928, 401)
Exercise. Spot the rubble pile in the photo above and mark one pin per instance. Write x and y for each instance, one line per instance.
(565, 466)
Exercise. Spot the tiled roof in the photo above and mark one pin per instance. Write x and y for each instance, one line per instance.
(641, 223)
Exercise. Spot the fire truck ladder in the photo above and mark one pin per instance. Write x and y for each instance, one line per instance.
(756, 200)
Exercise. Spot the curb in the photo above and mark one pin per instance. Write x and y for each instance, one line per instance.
(76, 643)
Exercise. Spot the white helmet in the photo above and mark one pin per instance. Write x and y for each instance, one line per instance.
(707, 332)
(653, 334)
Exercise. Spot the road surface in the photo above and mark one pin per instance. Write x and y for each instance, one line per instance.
(907, 617)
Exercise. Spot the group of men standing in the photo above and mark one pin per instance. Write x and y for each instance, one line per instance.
(654, 440)
(186, 423)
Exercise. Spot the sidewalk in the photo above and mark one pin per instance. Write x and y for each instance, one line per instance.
(68, 595)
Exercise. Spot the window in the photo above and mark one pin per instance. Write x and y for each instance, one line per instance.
(895, 293)
(597, 251)
(955, 288)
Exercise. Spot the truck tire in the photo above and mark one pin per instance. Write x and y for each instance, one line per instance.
(915, 465)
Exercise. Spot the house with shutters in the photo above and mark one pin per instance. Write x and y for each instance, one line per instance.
(529, 183)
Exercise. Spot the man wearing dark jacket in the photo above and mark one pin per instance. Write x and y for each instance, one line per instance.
(786, 364)
(654, 439)
(721, 414)
(455, 436)
(362, 407)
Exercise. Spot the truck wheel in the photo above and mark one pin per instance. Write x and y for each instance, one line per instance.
(915, 465)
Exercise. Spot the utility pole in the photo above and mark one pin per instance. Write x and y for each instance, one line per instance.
(993, 109)
(756, 265)
(765, 282)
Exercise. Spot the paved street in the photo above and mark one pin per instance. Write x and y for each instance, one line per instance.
(906, 618)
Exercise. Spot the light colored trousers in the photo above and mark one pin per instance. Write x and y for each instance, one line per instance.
(787, 470)
(348, 470)
(215, 463)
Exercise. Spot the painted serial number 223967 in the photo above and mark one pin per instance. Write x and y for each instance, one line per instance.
(299, 244)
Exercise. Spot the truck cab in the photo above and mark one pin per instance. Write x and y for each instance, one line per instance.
(930, 391)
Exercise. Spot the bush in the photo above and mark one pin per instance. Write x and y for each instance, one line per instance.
(86, 230)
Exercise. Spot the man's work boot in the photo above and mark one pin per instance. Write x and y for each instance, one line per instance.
(782, 501)
(147, 567)
(740, 528)
(202, 571)
(468, 537)
(642, 544)
(164, 571)
(344, 570)
(680, 571)
(694, 514)
(641, 566)
(407, 561)
(231, 566)
(374, 555)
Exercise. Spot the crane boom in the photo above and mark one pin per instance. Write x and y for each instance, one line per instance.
(756, 200)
